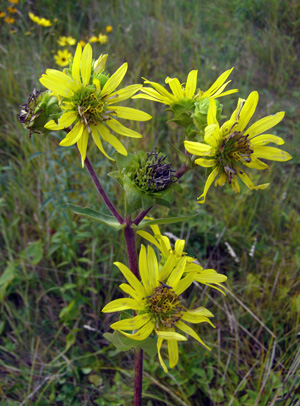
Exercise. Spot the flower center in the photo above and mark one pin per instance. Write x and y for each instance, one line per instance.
(89, 106)
(165, 306)
(233, 149)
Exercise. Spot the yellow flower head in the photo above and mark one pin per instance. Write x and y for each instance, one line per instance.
(64, 41)
(109, 29)
(82, 43)
(9, 20)
(169, 254)
(188, 92)
(14, 1)
(12, 10)
(156, 300)
(2, 14)
(230, 147)
(89, 100)
(40, 21)
(101, 38)
(62, 58)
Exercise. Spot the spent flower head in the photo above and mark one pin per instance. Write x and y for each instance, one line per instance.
(88, 98)
(156, 300)
(229, 148)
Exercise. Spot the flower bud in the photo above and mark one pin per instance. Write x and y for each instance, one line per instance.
(200, 114)
(38, 110)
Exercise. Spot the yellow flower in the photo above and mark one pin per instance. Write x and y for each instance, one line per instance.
(207, 277)
(188, 92)
(109, 29)
(40, 21)
(9, 20)
(230, 147)
(14, 1)
(12, 10)
(64, 41)
(88, 98)
(101, 38)
(2, 14)
(82, 43)
(62, 58)
(156, 299)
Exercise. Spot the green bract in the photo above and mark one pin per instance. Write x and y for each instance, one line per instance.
(200, 114)
(146, 178)
(38, 110)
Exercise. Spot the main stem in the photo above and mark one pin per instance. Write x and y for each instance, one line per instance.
(134, 267)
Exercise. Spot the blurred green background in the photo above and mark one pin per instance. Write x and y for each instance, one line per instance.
(56, 267)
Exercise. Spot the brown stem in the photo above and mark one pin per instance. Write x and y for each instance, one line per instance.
(141, 216)
(181, 171)
(102, 192)
(138, 353)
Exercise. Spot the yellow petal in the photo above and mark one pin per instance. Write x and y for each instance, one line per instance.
(97, 140)
(274, 154)
(244, 177)
(255, 164)
(264, 124)
(208, 183)
(130, 113)
(247, 111)
(56, 87)
(143, 268)
(111, 139)
(197, 148)
(64, 122)
(187, 329)
(176, 88)
(114, 81)
(210, 276)
(147, 97)
(122, 94)
(121, 129)
(185, 283)
(266, 139)
(176, 274)
(170, 335)
(193, 318)
(217, 84)
(131, 324)
(211, 135)
(152, 268)
(130, 291)
(82, 145)
(167, 268)
(160, 89)
(173, 353)
(123, 304)
(228, 92)
(63, 79)
(159, 343)
(131, 279)
(212, 112)
(76, 64)
(206, 163)
(143, 333)
(148, 237)
(86, 64)
(73, 136)
(191, 84)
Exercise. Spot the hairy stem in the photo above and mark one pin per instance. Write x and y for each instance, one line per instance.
(134, 267)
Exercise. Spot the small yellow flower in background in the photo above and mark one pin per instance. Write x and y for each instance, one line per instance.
(62, 58)
(64, 41)
(170, 255)
(109, 29)
(12, 10)
(188, 92)
(156, 300)
(230, 147)
(9, 20)
(82, 43)
(13, 1)
(40, 21)
(101, 38)
(2, 14)
(88, 98)
(27, 33)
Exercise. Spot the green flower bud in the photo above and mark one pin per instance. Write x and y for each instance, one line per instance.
(40, 108)
(182, 111)
(200, 114)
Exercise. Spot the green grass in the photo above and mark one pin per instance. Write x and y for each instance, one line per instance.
(57, 270)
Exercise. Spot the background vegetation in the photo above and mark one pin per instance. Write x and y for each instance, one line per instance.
(56, 268)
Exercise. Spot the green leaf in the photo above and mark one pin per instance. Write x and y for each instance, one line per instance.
(167, 220)
(34, 252)
(123, 343)
(6, 279)
(95, 215)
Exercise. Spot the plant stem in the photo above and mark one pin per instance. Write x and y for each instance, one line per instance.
(138, 354)
(102, 192)
(141, 216)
